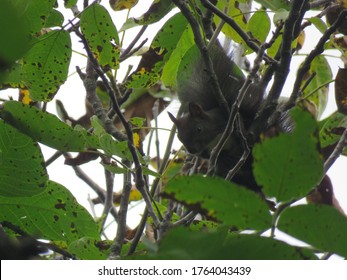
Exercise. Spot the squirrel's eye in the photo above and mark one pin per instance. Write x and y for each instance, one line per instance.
(198, 129)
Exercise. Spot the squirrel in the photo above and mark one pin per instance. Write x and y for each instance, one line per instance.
(203, 122)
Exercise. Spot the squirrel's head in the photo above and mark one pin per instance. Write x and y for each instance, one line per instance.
(198, 128)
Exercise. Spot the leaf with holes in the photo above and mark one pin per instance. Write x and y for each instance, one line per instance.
(47, 128)
(225, 201)
(331, 129)
(54, 214)
(321, 226)
(22, 168)
(156, 12)
(88, 248)
(289, 166)
(183, 243)
(35, 12)
(45, 66)
(162, 47)
(318, 88)
(56, 18)
(119, 5)
(101, 34)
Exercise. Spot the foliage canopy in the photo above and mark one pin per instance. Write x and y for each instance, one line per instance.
(236, 223)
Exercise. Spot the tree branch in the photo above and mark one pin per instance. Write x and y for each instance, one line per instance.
(139, 180)
(116, 247)
(234, 111)
(109, 195)
(250, 43)
(155, 185)
(266, 114)
(312, 55)
(94, 186)
(132, 44)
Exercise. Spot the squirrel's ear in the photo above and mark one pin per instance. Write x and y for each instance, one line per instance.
(195, 109)
(174, 120)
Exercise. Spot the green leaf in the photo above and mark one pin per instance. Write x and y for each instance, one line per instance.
(14, 32)
(70, 3)
(272, 51)
(259, 25)
(12, 78)
(114, 168)
(331, 128)
(156, 12)
(46, 65)
(164, 43)
(182, 243)
(108, 144)
(318, 23)
(118, 5)
(35, 12)
(137, 122)
(147, 171)
(113, 147)
(88, 248)
(318, 89)
(321, 226)
(255, 247)
(289, 166)
(170, 71)
(227, 202)
(53, 214)
(101, 34)
(55, 18)
(236, 14)
(46, 128)
(22, 169)
(280, 16)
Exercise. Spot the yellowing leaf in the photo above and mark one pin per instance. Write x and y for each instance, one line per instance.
(119, 5)
(25, 96)
(137, 140)
(135, 195)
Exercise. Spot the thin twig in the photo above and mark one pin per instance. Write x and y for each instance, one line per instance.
(133, 51)
(186, 219)
(249, 42)
(266, 114)
(139, 180)
(94, 186)
(277, 213)
(123, 211)
(166, 222)
(312, 55)
(155, 185)
(234, 111)
(246, 150)
(109, 195)
(295, 17)
(132, 44)
(53, 158)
